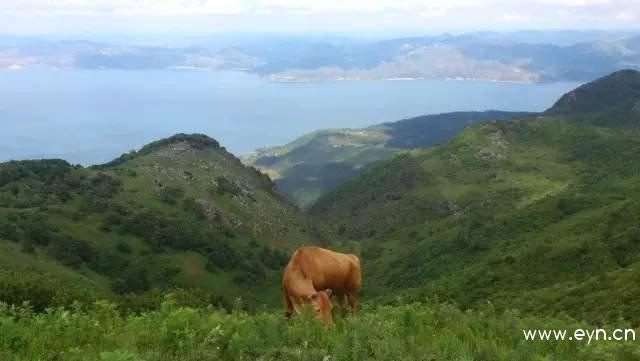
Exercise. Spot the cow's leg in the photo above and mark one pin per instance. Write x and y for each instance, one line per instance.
(344, 303)
(353, 301)
(288, 305)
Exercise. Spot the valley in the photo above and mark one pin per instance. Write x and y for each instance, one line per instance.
(316, 163)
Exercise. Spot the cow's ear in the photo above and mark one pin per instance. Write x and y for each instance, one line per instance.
(329, 292)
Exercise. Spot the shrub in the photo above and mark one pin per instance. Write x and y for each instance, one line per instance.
(123, 247)
(9, 231)
(170, 195)
(273, 259)
(252, 273)
(71, 252)
(37, 229)
(182, 297)
(28, 247)
(39, 290)
(191, 206)
(225, 186)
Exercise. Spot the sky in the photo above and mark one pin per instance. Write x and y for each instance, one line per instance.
(311, 16)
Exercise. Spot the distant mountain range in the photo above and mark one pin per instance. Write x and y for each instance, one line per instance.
(511, 57)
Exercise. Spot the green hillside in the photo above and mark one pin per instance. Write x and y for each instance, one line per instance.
(181, 212)
(611, 101)
(541, 214)
(316, 163)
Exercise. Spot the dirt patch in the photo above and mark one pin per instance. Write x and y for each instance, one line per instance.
(191, 269)
(497, 150)
(275, 243)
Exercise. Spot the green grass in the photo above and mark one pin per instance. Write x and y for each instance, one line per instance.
(402, 332)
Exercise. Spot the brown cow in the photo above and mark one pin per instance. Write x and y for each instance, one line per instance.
(314, 274)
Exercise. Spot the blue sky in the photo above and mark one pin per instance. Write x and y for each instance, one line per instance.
(311, 16)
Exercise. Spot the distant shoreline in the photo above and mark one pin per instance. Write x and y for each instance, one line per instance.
(393, 79)
(272, 78)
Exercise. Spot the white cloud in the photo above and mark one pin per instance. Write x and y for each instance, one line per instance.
(369, 6)
(122, 7)
(627, 16)
(205, 7)
(322, 15)
(576, 3)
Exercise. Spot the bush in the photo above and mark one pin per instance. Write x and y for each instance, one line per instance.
(221, 256)
(166, 274)
(28, 247)
(9, 231)
(190, 205)
(132, 280)
(111, 219)
(183, 297)
(225, 186)
(170, 195)
(634, 235)
(273, 259)
(37, 229)
(162, 232)
(39, 290)
(252, 273)
(71, 252)
(123, 247)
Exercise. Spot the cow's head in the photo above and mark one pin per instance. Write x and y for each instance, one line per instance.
(322, 306)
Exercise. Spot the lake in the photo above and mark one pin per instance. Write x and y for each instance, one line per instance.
(91, 117)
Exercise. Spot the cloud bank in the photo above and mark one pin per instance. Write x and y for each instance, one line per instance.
(318, 15)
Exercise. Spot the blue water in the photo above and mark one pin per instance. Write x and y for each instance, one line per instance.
(91, 117)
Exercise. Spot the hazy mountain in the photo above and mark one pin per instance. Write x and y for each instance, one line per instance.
(575, 56)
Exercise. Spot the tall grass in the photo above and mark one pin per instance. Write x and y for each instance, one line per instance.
(405, 332)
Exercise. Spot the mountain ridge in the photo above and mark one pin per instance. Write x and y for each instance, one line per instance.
(315, 163)
(610, 101)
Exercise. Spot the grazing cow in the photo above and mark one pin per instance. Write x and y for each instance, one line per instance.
(313, 275)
